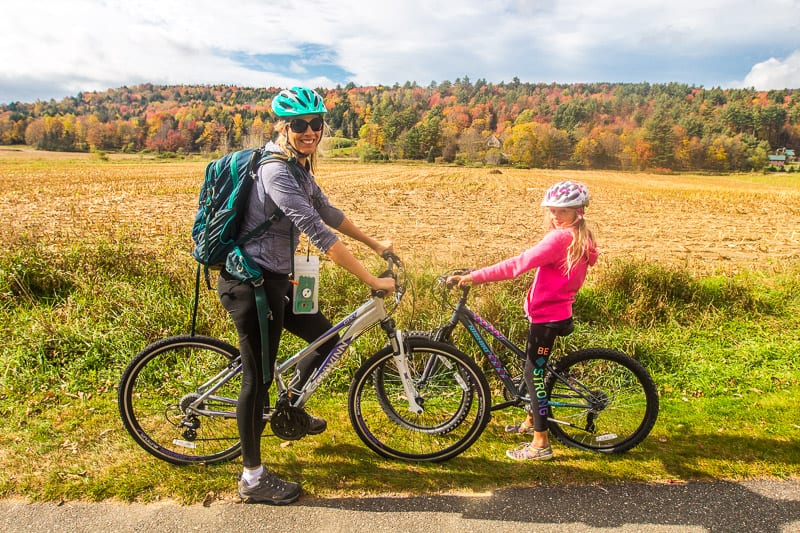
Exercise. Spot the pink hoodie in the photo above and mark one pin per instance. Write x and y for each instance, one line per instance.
(551, 296)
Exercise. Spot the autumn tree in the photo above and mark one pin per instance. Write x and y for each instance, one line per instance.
(628, 126)
(537, 145)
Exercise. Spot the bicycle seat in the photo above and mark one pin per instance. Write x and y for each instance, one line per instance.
(562, 327)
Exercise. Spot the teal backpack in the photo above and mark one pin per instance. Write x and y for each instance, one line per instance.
(217, 226)
(223, 200)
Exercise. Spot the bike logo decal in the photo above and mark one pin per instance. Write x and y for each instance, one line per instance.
(488, 327)
(493, 359)
(329, 363)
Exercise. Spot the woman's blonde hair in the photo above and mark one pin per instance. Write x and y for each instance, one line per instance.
(283, 141)
(582, 240)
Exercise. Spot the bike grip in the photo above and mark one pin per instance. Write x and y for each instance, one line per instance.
(390, 256)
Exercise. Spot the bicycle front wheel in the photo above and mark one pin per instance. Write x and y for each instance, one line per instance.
(451, 390)
(601, 400)
(177, 399)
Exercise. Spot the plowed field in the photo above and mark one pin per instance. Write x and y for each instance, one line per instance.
(443, 216)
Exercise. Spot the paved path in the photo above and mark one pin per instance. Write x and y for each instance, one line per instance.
(753, 506)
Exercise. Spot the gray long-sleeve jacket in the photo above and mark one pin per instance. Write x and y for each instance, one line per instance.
(309, 210)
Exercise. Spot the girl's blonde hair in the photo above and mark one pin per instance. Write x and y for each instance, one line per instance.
(283, 141)
(582, 240)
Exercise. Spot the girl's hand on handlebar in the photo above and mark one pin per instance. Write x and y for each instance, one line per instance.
(463, 280)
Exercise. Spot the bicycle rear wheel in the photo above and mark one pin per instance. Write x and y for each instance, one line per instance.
(451, 390)
(158, 400)
(601, 400)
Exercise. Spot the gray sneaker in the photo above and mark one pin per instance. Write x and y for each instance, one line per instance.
(270, 489)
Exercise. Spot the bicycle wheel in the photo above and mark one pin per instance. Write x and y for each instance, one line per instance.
(453, 393)
(601, 400)
(387, 381)
(158, 400)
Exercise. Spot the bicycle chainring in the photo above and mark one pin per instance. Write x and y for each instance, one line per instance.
(289, 423)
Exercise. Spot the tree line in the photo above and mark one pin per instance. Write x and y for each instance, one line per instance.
(621, 126)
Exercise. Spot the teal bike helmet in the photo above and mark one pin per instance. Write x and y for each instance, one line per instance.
(298, 101)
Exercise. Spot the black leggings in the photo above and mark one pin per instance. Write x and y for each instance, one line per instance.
(239, 300)
(541, 338)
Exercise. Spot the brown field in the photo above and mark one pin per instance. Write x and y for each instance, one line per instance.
(442, 216)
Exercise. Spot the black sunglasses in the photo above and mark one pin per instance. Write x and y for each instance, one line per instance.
(299, 125)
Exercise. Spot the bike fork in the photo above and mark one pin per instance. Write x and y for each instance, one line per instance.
(400, 357)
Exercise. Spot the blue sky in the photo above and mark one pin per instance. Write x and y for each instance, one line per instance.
(52, 48)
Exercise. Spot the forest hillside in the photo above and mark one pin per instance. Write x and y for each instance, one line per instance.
(619, 126)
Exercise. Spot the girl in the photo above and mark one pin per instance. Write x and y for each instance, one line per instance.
(562, 257)
(292, 188)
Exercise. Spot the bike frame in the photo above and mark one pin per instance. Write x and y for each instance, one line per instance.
(370, 313)
(365, 317)
(474, 323)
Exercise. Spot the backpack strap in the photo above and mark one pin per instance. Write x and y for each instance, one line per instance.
(264, 157)
(277, 214)
(291, 164)
(264, 316)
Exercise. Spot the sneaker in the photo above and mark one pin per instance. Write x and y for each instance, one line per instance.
(527, 452)
(270, 489)
(522, 428)
(316, 425)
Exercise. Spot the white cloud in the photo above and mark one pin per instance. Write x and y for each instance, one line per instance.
(774, 73)
(97, 44)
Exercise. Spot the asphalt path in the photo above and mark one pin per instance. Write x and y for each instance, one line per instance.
(752, 506)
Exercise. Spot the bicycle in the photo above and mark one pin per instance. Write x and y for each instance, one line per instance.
(177, 397)
(598, 399)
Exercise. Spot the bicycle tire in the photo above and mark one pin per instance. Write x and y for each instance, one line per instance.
(452, 419)
(156, 388)
(623, 395)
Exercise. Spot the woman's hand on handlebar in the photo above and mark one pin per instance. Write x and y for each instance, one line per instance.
(382, 247)
(383, 284)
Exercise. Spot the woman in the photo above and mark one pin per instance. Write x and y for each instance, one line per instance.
(291, 188)
(562, 257)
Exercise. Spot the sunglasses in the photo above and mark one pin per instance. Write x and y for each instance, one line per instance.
(298, 125)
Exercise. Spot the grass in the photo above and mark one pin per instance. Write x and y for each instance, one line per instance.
(95, 265)
(723, 350)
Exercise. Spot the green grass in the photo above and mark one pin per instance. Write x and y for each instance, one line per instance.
(722, 349)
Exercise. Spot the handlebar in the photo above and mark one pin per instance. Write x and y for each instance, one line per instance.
(395, 270)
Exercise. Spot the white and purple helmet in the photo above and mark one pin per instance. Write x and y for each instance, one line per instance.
(567, 194)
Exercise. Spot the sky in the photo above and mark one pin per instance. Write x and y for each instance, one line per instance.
(51, 49)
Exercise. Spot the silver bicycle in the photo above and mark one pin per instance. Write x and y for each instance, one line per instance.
(177, 397)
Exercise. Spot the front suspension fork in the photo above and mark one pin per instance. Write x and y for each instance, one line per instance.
(400, 356)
